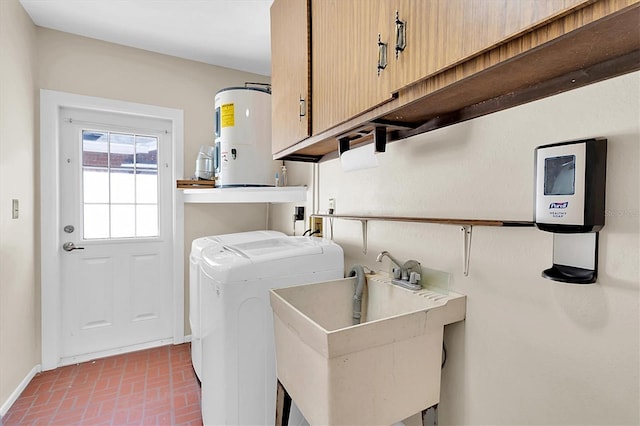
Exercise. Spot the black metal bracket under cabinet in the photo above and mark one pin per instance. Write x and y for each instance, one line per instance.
(466, 227)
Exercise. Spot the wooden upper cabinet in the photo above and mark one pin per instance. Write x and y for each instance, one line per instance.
(457, 55)
(444, 33)
(345, 56)
(290, 78)
(438, 34)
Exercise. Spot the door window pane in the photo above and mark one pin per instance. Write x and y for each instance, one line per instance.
(123, 186)
(147, 220)
(96, 185)
(121, 151)
(147, 187)
(120, 185)
(123, 221)
(95, 149)
(96, 221)
(147, 153)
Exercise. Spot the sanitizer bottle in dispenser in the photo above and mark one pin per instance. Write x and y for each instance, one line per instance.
(570, 202)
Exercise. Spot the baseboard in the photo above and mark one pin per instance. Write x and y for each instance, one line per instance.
(16, 393)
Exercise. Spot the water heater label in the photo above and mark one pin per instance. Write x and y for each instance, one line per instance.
(227, 115)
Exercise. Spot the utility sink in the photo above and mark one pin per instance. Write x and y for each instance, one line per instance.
(378, 372)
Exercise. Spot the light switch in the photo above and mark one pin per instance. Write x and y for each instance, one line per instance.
(15, 208)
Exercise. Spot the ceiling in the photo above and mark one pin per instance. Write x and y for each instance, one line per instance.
(228, 33)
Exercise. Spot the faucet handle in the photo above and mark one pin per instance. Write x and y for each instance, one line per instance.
(397, 273)
(414, 278)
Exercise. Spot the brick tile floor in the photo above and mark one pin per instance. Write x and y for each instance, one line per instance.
(151, 387)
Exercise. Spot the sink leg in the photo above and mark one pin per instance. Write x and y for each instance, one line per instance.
(430, 416)
(283, 406)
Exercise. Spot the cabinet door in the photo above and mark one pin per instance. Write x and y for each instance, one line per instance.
(291, 92)
(345, 56)
(439, 34)
(442, 33)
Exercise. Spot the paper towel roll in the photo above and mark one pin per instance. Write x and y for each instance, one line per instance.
(363, 157)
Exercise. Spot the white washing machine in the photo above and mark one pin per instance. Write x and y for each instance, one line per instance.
(239, 374)
(195, 258)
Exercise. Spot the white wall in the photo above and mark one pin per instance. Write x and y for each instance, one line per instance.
(19, 342)
(531, 351)
(85, 66)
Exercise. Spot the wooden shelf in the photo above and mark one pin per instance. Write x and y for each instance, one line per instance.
(466, 226)
(285, 194)
(441, 221)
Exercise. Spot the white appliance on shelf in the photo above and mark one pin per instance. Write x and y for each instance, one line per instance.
(195, 302)
(242, 154)
(239, 374)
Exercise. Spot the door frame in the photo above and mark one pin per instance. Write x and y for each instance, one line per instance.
(51, 319)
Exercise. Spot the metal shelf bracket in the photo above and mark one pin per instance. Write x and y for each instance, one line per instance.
(364, 235)
(466, 247)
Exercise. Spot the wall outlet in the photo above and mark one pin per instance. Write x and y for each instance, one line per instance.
(332, 205)
(299, 213)
(315, 224)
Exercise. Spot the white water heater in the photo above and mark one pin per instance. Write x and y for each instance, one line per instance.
(243, 137)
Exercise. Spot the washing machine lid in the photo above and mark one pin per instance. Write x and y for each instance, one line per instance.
(276, 248)
(243, 237)
(199, 244)
(226, 256)
(272, 257)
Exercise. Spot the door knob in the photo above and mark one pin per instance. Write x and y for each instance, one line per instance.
(69, 246)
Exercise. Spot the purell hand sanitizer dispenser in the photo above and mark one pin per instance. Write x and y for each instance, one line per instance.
(570, 198)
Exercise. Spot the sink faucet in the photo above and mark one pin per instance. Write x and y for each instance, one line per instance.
(406, 274)
(386, 253)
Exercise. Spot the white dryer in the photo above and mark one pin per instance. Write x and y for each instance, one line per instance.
(195, 257)
(239, 374)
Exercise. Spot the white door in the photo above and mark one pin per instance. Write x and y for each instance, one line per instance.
(115, 226)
